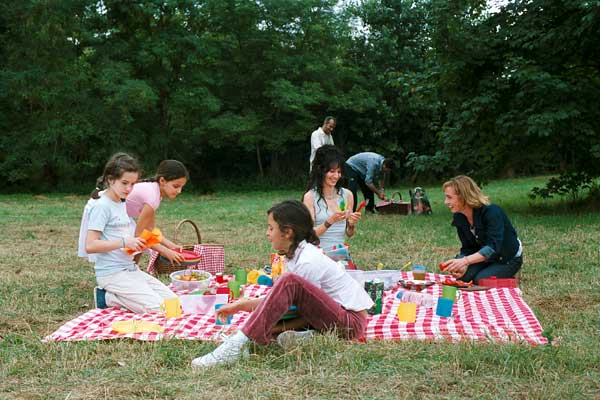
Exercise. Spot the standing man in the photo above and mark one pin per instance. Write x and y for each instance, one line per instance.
(321, 136)
(367, 170)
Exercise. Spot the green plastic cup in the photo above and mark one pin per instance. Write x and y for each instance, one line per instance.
(449, 292)
(241, 275)
(234, 287)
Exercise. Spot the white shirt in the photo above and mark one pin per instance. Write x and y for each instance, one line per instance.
(310, 263)
(110, 218)
(317, 139)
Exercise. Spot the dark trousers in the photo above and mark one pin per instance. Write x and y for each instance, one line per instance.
(313, 304)
(499, 269)
(353, 182)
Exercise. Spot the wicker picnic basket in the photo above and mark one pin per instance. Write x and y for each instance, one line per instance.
(163, 266)
(394, 206)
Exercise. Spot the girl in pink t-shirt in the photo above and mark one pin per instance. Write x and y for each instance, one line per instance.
(145, 198)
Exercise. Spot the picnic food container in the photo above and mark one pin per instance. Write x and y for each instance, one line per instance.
(419, 272)
(201, 304)
(164, 266)
(190, 279)
(394, 206)
(494, 282)
(196, 256)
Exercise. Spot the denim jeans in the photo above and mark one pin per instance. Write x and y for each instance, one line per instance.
(508, 269)
(353, 182)
(318, 309)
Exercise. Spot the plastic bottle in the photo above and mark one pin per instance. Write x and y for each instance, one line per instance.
(421, 299)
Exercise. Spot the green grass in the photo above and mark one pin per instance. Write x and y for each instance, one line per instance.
(44, 284)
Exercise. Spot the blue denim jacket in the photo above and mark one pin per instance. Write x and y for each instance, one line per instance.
(495, 238)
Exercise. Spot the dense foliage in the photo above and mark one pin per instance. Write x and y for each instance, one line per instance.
(233, 88)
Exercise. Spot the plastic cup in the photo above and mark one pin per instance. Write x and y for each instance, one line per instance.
(449, 292)
(407, 312)
(171, 307)
(241, 275)
(234, 287)
(444, 307)
(419, 272)
(218, 321)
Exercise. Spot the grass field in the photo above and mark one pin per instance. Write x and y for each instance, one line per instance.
(44, 284)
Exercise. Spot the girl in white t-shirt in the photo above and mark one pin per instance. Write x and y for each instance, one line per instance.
(325, 296)
(108, 232)
(143, 201)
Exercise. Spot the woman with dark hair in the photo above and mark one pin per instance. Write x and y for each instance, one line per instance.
(325, 296)
(489, 243)
(330, 205)
(142, 203)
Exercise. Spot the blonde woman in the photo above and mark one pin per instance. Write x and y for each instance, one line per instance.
(489, 243)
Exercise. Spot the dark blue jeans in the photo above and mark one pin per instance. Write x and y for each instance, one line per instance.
(508, 269)
(355, 181)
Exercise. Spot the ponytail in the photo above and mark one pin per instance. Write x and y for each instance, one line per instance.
(169, 170)
(115, 167)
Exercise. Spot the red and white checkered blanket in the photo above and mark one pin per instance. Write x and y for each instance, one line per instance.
(494, 315)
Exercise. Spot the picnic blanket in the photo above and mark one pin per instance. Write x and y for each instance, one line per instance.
(497, 315)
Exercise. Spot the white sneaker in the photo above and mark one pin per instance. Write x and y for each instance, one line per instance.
(288, 339)
(228, 352)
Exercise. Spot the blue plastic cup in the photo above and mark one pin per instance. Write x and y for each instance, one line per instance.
(218, 321)
(444, 307)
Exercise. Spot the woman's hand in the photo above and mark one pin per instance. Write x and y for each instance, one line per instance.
(457, 267)
(336, 217)
(135, 243)
(353, 218)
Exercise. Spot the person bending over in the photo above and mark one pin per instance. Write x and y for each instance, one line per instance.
(143, 201)
(367, 170)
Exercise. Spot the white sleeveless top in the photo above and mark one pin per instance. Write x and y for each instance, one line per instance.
(336, 234)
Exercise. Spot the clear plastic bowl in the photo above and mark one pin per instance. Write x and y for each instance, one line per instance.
(183, 284)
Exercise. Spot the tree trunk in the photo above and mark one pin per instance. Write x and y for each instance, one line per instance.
(259, 161)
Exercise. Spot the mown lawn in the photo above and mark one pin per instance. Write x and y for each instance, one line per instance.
(44, 284)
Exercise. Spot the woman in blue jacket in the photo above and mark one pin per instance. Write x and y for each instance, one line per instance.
(489, 243)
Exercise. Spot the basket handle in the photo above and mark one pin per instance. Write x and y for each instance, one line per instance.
(394, 196)
(189, 221)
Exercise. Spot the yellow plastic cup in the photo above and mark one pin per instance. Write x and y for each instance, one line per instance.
(407, 312)
(171, 308)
